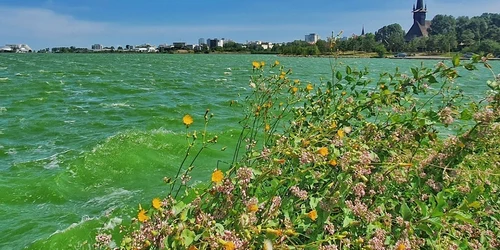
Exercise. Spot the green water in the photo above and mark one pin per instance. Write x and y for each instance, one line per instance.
(83, 137)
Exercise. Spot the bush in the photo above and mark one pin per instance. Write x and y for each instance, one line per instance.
(347, 164)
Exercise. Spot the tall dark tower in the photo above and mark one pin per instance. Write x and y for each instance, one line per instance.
(420, 25)
(419, 12)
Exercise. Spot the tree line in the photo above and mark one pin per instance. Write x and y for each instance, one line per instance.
(479, 34)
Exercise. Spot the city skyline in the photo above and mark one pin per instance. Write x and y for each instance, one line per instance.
(56, 23)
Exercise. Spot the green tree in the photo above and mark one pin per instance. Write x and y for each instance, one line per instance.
(443, 25)
(392, 36)
(489, 46)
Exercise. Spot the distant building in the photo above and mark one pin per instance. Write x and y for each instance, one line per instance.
(214, 43)
(97, 47)
(201, 41)
(179, 45)
(363, 31)
(18, 48)
(312, 38)
(420, 25)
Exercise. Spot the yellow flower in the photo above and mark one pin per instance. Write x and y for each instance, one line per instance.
(295, 89)
(262, 64)
(280, 161)
(229, 245)
(256, 65)
(268, 127)
(341, 133)
(253, 208)
(276, 63)
(192, 248)
(333, 163)
(401, 246)
(323, 151)
(313, 215)
(217, 176)
(141, 216)
(187, 120)
(156, 203)
(276, 232)
(309, 87)
(296, 81)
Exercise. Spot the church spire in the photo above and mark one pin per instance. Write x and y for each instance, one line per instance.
(420, 4)
(363, 30)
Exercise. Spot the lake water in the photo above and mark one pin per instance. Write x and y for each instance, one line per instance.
(82, 135)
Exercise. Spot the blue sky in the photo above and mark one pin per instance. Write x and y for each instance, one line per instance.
(51, 23)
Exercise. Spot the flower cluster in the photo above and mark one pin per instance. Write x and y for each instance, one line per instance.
(344, 164)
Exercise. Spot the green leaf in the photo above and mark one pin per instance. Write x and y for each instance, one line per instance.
(475, 204)
(466, 115)
(179, 207)
(423, 208)
(432, 79)
(456, 60)
(347, 221)
(426, 229)
(338, 75)
(415, 72)
(348, 70)
(405, 211)
(187, 236)
(462, 217)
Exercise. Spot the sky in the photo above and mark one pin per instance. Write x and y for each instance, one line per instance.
(81, 23)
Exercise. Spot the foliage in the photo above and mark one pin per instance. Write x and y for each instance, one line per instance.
(347, 164)
(392, 36)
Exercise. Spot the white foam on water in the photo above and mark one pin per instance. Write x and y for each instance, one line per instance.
(3, 110)
(53, 164)
(12, 151)
(4, 79)
(107, 199)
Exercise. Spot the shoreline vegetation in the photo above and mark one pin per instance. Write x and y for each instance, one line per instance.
(391, 161)
(447, 35)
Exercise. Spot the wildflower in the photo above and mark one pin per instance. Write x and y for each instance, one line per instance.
(309, 87)
(332, 162)
(192, 248)
(401, 247)
(229, 245)
(282, 75)
(256, 65)
(253, 208)
(217, 176)
(187, 120)
(268, 127)
(280, 161)
(299, 193)
(323, 151)
(296, 81)
(313, 215)
(295, 89)
(276, 63)
(262, 64)
(341, 133)
(276, 232)
(157, 203)
(244, 175)
(141, 216)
